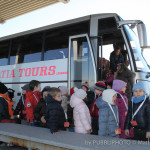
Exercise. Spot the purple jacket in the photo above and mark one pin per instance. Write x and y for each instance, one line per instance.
(122, 114)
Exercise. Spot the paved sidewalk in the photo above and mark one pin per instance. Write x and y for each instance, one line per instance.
(5, 147)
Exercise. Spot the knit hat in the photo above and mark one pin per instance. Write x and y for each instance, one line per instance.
(72, 90)
(3, 88)
(85, 84)
(100, 85)
(80, 94)
(118, 85)
(46, 88)
(140, 85)
(26, 87)
(108, 95)
(64, 90)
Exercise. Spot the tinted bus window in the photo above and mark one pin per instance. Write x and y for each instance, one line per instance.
(57, 40)
(4, 51)
(27, 49)
(56, 46)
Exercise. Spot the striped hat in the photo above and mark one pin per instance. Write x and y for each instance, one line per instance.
(100, 85)
(85, 84)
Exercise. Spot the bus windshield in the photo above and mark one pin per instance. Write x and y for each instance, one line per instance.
(140, 63)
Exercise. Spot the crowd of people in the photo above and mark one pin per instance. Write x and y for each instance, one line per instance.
(104, 112)
(116, 107)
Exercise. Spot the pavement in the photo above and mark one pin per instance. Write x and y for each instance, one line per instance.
(68, 140)
(5, 147)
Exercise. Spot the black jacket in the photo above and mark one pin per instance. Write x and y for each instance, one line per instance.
(20, 107)
(114, 60)
(40, 110)
(142, 117)
(55, 115)
(4, 114)
(90, 98)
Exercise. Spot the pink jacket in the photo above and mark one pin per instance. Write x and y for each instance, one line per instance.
(122, 114)
(81, 115)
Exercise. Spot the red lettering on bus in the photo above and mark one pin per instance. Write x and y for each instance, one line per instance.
(7, 73)
(52, 70)
(28, 72)
(21, 72)
(3, 73)
(35, 71)
(12, 74)
(43, 70)
(59, 73)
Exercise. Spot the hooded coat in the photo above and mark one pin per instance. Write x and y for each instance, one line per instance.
(81, 115)
(55, 116)
(107, 121)
(122, 114)
(122, 104)
(32, 99)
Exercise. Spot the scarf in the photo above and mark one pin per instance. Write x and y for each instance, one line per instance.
(138, 99)
(10, 104)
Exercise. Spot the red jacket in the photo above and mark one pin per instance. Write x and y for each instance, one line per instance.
(93, 108)
(32, 98)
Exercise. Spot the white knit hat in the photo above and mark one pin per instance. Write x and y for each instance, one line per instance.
(107, 95)
(80, 94)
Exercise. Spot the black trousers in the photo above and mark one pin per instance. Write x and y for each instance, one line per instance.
(95, 126)
(140, 134)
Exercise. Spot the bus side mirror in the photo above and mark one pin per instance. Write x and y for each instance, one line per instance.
(141, 29)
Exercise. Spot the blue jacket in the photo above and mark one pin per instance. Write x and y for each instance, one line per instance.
(107, 122)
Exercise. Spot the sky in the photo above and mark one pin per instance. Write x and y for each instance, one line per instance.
(127, 9)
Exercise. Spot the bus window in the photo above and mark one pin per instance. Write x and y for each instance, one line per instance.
(139, 62)
(56, 46)
(4, 51)
(26, 49)
(145, 52)
(82, 67)
(56, 42)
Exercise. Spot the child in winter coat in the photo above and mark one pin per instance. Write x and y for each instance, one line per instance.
(99, 87)
(55, 115)
(40, 109)
(64, 92)
(108, 114)
(6, 112)
(139, 113)
(81, 115)
(21, 106)
(32, 98)
(70, 109)
(90, 94)
(122, 102)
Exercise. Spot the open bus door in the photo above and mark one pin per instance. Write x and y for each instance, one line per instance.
(81, 66)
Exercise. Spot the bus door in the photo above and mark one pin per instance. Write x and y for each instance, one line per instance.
(81, 66)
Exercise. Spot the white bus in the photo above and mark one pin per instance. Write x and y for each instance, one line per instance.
(68, 53)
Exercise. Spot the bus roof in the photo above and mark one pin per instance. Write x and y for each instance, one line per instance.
(10, 9)
(59, 24)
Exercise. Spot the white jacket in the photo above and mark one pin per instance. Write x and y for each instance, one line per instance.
(81, 115)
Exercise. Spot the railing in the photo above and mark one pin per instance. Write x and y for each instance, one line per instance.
(41, 139)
